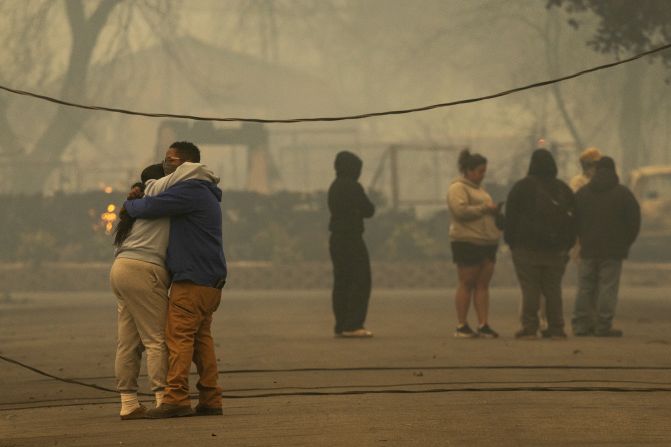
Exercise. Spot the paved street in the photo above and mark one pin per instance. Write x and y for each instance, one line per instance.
(288, 382)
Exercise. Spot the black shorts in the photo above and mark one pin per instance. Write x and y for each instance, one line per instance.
(466, 253)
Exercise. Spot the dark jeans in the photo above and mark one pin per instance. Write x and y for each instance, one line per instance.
(351, 280)
(598, 286)
(541, 273)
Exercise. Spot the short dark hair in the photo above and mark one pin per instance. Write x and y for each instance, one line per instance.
(468, 161)
(187, 151)
(154, 172)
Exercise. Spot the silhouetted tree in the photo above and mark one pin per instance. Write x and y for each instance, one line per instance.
(33, 63)
(623, 25)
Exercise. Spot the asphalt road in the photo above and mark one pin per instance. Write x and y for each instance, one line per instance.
(288, 382)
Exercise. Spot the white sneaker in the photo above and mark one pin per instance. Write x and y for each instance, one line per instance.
(357, 333)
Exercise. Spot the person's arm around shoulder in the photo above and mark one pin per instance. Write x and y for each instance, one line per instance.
(186, 171)
(459, 206)
(175, 201)
(157, 186)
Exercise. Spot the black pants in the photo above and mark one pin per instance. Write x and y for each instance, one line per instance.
(351, 280)
(541, 274)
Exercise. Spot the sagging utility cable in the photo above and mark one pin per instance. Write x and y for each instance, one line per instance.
(336, 118)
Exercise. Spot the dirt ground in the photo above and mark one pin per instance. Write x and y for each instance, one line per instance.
(288, 382)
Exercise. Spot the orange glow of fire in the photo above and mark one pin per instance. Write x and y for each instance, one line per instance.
(108, 218)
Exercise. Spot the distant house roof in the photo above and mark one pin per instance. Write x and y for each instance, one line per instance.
(191, 76)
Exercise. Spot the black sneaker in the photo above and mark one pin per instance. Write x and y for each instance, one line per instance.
(526, 334)
(583, 332)
(202, 410)
(169, 411)
(609, 333)
(465, 331)
(554, 335)
(487, 332)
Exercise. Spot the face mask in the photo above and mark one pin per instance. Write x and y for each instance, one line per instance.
(168, 168)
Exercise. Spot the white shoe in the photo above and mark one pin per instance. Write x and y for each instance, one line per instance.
(357, 333)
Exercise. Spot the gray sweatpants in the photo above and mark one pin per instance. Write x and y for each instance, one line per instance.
(141, 289)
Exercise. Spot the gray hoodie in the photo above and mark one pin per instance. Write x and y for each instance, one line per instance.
(148, 240)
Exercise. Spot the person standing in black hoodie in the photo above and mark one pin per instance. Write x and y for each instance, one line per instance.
(609, 219)
(349, 205)
(540, 230)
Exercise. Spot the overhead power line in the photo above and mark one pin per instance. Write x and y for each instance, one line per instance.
(342, 117)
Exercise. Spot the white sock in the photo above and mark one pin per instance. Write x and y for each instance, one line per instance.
(159, 398)
(129, 403)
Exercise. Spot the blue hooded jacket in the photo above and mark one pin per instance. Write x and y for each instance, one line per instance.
(195, 251)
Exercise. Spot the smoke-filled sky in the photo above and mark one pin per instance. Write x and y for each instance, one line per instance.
(287, 58)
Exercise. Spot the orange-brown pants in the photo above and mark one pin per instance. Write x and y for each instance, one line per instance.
(188, 337)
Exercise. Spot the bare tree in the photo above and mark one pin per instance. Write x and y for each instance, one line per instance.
(621, 27)
(549, 34)
(31, 29)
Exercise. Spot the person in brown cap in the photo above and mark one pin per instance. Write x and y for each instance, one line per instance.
(588, 160)
(609, 219)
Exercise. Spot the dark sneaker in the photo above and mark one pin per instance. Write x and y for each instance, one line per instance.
(583, 332)
(487, 332)
(554, 335)
(609, 333)
(170, 411)
(526, 334)
(465, 331)
(139, 413)
(202, 410)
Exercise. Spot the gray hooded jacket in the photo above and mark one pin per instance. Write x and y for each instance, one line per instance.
(148, 240)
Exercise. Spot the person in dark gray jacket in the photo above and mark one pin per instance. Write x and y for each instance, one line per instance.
(540, 230)
(609, 219)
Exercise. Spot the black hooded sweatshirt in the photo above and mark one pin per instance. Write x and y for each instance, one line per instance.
(609, 217)
(347, 200)
(521, 208)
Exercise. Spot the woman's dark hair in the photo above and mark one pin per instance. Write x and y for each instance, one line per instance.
(468, 161)
(126, 222)
(154, 172)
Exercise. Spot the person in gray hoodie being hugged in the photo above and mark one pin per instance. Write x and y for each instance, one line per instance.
(140, 282)
(474, 239)
(609, 219)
